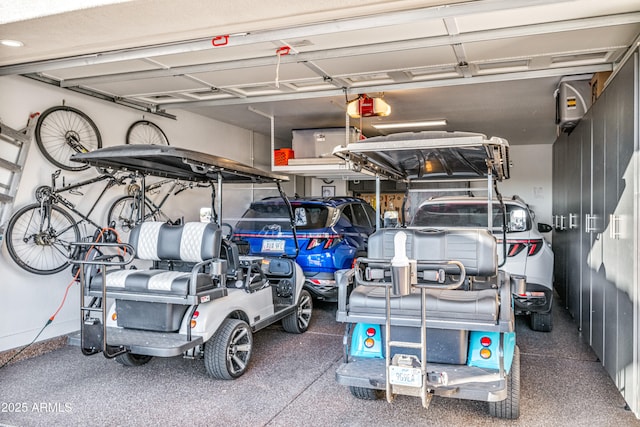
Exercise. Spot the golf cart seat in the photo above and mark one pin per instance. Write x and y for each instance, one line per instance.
(474, 248)
(193, 242)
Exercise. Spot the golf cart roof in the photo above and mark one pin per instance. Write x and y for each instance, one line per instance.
(430, 156)
(176, 163)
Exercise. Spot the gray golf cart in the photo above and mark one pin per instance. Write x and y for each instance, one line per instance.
(191, 293)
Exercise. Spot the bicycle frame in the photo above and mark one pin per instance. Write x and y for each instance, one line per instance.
(156, 207)
(56, 198)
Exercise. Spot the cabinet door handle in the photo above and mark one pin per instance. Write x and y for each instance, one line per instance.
(589, 223)
(614, 227)
(573, 221)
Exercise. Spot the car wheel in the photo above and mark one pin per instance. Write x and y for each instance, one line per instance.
(509, 408)
(227, 353)
(366, 393)
(298, 321)
(130, 359)
(542, 322)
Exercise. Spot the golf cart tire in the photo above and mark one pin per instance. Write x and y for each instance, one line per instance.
(298, 321)
(366, 393)
(542, 322)
(509, 408)
(222, 359)
(130, 359)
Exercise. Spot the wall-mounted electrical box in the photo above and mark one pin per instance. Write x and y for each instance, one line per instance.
(573, 99)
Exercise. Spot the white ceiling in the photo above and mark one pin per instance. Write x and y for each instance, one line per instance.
(487, 66)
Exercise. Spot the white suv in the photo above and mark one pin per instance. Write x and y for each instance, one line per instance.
(527, 252)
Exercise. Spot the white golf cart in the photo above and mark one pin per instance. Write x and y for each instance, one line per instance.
(430, 312)
(190, 293)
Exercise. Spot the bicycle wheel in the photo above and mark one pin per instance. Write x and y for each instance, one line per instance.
(124, 214)
(146, 132)
(62, 131)
(39, 242)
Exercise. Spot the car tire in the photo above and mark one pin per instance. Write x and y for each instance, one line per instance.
(228, 352)
(509, 408)
(366, 393)
(542, 322)
(130, 359)
(298, 321)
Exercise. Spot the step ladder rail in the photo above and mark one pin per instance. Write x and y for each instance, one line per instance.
(86, 319)
(421, 345)
(387, 343)
(425, 391)
(92, 332)
(12, 168)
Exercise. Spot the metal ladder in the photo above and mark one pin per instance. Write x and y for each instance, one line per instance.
(14, 146)
(405, 365)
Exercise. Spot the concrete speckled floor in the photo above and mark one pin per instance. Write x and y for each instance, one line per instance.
(291, 382)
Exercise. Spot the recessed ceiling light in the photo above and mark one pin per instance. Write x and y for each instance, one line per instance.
(410, 124)
(11, 43)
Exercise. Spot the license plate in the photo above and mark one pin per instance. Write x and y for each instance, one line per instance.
(270, 245)
(402, 375)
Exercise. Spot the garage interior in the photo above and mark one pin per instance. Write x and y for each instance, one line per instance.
(237, 79)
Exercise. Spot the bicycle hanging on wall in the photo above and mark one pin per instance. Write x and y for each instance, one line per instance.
(62, 131)
(146, 132)
(39, 235)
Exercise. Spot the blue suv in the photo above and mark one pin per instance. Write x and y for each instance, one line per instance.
(331, 232)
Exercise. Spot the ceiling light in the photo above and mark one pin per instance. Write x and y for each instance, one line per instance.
(365, 106)
(11, 43)
(427, 123)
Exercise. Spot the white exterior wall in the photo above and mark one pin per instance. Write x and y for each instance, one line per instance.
(27, 300)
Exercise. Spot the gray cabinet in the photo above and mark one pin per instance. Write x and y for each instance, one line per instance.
(596, 235)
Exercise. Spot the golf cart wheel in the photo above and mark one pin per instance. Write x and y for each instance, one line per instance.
(227, 354)
(298, 321)
(366, 393)
(542, 322)
(130, 359)
(510, 407)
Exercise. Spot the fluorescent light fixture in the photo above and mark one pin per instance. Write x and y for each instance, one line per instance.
(410, 124)
(11, 43)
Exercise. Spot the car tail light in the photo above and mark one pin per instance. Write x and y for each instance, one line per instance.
(325, 242)
(517, 246)
(485, 341)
